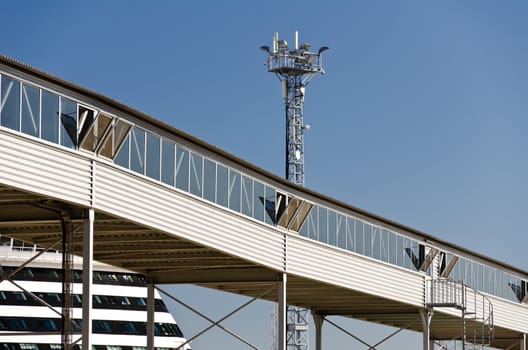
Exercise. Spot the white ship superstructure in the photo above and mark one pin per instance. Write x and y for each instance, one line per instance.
(119, 304)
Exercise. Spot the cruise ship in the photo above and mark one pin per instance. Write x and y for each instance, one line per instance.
(119, 304)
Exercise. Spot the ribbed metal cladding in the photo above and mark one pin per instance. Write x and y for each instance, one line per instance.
(152, 205)
(509, 314)
(333, 266)
(45, 170)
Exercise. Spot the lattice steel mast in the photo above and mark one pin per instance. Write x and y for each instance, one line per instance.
(294, 68)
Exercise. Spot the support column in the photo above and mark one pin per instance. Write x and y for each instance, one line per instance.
(426, 315)
(87, 278)
(150, 315)
(524, 345)
(318, 323)
(281, 319)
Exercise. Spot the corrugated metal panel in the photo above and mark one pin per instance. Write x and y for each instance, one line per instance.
(324, 263)
(45, 170)
(509, 314)
(156, 206)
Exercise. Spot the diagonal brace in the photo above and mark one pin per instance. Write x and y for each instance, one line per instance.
(216, 323)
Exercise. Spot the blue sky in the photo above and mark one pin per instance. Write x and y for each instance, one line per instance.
(421, 116)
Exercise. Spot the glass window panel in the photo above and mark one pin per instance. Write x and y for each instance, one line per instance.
(247, 196)
(182, 168)
(397, 251)
(376, 242)
(196, 174)
(10, 103)
(30, 110)
(323, 229)
(50, 117)
(360, 243)
(367, 239)
(270, 205)
(120, 131)
(341, 231)
(258, 200)
(384, 245)
(222, 181)
(168, 153)
(68, 120)
(332, 229)
(122, 156)
(153, 156)
(234, 190)
(209, 183)
(137, 150)
(350, 236)
(309, 228)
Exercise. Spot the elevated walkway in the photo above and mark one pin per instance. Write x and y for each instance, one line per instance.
(149, 198)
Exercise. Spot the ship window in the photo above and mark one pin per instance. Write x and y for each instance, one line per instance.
(3, 296)
(129, 328)
(48, 325)
(113, 347)
(17, 324)
(55, 347)
(102, 326)
(28, 347)
(20, 296)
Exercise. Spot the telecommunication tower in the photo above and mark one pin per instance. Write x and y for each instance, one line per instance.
(294, 68)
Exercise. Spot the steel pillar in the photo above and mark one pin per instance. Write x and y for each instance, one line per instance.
(318, 323)
(150, 315)
(426, 315)
(281, 320)
(523, 343)
(87, 278)
(67, 279)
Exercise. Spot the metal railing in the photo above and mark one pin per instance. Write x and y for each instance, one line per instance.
(477, 310)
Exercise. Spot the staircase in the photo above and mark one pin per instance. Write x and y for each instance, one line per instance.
(475, 307)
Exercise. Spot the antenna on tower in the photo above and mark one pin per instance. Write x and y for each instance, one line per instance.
(295, 68)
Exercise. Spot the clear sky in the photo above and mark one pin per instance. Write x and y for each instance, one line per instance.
(421, 117)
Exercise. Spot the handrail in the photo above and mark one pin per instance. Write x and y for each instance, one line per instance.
(474, 305)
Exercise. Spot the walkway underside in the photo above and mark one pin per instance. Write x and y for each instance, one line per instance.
(168, 259)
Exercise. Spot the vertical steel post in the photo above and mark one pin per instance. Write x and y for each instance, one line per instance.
(87, 278)
(425, 316)
(318, 323)
(150, 315)
(67, 279)
(524, 345)
(281, 320)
